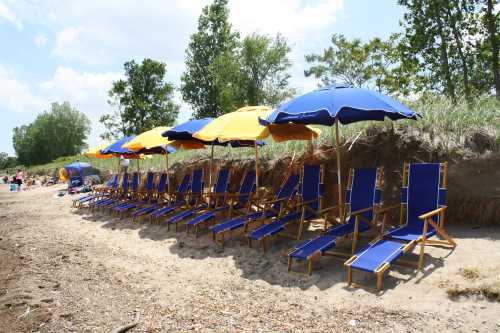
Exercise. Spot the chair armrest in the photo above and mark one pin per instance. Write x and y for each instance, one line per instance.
(361, 211)
(329, 209)
(386, 209)
(432, 213)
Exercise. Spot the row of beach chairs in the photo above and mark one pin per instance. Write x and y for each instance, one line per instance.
(296, 203)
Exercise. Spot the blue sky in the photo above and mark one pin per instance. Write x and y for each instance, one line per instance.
(73, 50)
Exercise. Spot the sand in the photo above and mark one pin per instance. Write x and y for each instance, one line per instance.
(65, 270)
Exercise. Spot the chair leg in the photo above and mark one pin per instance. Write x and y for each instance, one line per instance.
(379, 280)
(310, 266)
(289, 268)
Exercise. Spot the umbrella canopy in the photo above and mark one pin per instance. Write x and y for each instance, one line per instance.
(346, 104)
(116, 147)
(96, 151)
(150, 140)
(243, 124)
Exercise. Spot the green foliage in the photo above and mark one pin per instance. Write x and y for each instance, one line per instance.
(375, 64)
(451, 45)
(213, 39)
(144, 100)
(7, 161)
(62, 131)
(256, 74)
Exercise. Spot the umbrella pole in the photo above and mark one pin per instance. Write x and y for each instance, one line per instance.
(257, 167)
(210, 166)
(339, 176)
(166, 170)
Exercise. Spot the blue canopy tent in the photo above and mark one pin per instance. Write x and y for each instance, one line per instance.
(339, 103)
(77, 171)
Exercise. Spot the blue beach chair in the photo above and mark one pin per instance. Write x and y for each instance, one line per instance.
(191, 197)
(422, 211)
(98, 192)
(363, 194)
(159, 196)
(120, 193)
(265, 210)
(139, 198)
(129, 196)
(216, 198)
(311, 192)
(231, 203)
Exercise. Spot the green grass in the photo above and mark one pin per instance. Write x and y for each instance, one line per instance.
(445, 126)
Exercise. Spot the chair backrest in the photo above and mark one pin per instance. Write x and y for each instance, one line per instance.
(125, 179)
(150, 177)
(135, 182)
(222, 182)
(311, 189)
(197, 182)
(287, 189)
(247, 187)
(363, 191)
(161, 187)
(423, 190)
(184, 184)
(113, 181)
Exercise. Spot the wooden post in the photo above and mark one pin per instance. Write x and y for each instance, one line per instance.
(339, 175)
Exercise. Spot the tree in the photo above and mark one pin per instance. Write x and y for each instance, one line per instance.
(144, 100)
(214, 38)
(256, 74)
(7, 161)
(62, 131)
(346, 61)
(491, 23)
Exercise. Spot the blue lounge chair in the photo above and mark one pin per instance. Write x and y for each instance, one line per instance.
(98, 192)
(362, 196)
(180, 199)
(230, 204)
(159, 197)
(265, 210)
(216, 198)
(130, 196)
(311, 189)
(120, 193)
(140, 198)
(422, 211)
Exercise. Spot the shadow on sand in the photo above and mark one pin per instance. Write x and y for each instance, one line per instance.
(271, 266)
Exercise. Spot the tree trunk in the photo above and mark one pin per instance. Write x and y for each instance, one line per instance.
(492, 31)
(463, 60)
(445, 67)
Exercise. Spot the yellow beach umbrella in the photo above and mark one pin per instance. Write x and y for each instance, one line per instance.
(243, 124)
(96, 152)
(149, 139)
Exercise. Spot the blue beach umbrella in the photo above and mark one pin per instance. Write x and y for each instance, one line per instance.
(116, 147)
(339, 103)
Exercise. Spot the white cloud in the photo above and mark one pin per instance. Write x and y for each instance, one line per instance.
(7, 14)
(40, 40)
(16, 96)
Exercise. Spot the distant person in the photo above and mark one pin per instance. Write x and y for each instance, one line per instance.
(19, 178)
(5, 179)
(124, 162)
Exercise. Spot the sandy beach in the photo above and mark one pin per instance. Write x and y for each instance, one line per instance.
(68, 270)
